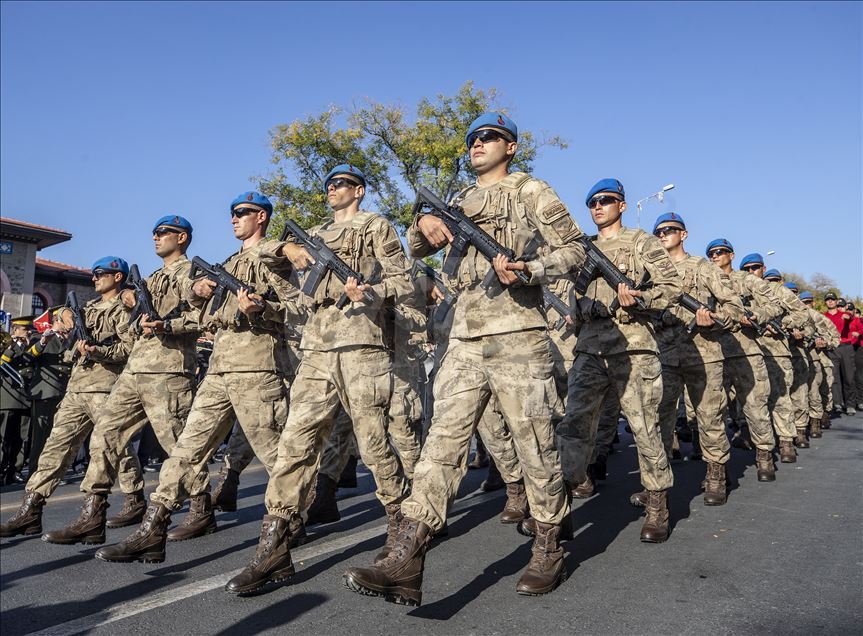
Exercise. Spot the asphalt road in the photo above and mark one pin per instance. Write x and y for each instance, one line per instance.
(783, 557)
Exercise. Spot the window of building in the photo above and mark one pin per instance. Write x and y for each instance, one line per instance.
(39, 304)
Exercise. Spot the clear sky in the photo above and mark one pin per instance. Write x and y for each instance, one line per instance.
(114, 114)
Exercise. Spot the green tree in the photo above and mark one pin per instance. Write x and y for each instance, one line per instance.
(396, 154)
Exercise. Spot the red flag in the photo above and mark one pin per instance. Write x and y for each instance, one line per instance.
(43, 322)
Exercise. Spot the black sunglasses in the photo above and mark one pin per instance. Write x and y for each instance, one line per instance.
(99, 273)
(662, 231)
(602, 201)
(751, 268)
(484, 136)
(161, 231)
(718, 252)
(340, 182)
(241, 212)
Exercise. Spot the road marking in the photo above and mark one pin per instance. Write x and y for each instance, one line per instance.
(166, 597)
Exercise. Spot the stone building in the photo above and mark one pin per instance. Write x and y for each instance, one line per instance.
(30, 284)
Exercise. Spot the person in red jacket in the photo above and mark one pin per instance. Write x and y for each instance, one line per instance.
(844, 390)
(856, 332)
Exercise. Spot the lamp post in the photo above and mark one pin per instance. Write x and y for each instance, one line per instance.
(659, 196)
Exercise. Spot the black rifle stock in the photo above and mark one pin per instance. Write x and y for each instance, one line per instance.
(550, 299)
(421, 268)
(325, 259)
(143, 299)
(598, 264)
(225, 282)
(747, 313)
(79, 330)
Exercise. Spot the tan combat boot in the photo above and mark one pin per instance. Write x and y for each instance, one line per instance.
(516, 507)
(324, 508)
(787, 453)
(546, 568)
(815, 427)
(200, 521)
(655, 528)
(132, 512)
(399, 577)
(394, 520)
(715, 490)
(88, 528)
(764, 464)
(28, 519)
(146, 544)
(272, 561)
(528, 528)
(638, 499)
(800, 441)
(825, 421)
(225, 492)
(585, 489)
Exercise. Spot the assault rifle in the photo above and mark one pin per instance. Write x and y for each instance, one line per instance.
(421, 268)
(550, 299)
(465, 233)
(747, 313)
(693, 305)
(79, 329)
(598, 264)
(325, 259)
(143, 299)
(774, 323)
(225, 282)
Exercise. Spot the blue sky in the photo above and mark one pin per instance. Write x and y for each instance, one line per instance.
(114, 114)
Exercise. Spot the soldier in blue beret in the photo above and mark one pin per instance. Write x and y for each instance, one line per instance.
(173, 222)
(752, 263)
(251, 201)
(343, 175)
(606, 186)
(719, 244)
(490, 126)
(110, 265)
(772, 275)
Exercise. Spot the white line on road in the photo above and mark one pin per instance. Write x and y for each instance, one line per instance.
(166, 597)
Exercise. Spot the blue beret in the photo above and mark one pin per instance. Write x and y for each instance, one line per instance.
(806, 295)
(493, 120)
(772, 273)
(751, 259)
(255, 198)
(112, 264)
(791, 285)
(346, 169)
(669, 217)
(718, 243)
(605, 185)
(174, 221)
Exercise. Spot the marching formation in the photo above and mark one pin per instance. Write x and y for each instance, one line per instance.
(330, 343)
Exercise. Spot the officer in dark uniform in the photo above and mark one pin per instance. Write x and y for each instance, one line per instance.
(14, 401)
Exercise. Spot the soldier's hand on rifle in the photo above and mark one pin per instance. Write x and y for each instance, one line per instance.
(354, 291)
(152, 326)
(249, 303)
(298, 255)
(820, 343)
(435, 230)
(568, 320)
(798, 335)
(626, 296)
(203, 288)
(128, 298)
(746, 322)
(703, 317)
(83, 348)
(504, 269)
(437, 295)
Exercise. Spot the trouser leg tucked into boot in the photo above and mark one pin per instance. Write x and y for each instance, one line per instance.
(801, 441)
(399, 577)
(764, 464)
(815, 427)
(88, 528)
(546, 568)
(146, 544)
(132, 512)
(516, 507)
(200, 521)
(272, 561)
(655, 528)
(787, 452)
(28, 519)
(394, 519)
(715, 490)
(638, 499)
(324, 508)
(225, 493)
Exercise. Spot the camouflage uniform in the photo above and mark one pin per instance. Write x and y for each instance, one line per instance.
(696, 360)
(156, 386)
(821, 371)
(499, 348)
(618, 353)
(245, 380)
(47, 387)
(777, 357)
(80, 410)
(345, 363)
(745, 369)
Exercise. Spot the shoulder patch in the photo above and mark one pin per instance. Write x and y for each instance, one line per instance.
(393, 247)
(655, 255)
(553, 211)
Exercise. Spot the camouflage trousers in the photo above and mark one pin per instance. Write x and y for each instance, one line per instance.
(76, 417)
(359, 379)
(827, 387)
(636, 378)
(815, 380)
(800, 391)
(514, 370)
(405, 418)
(257, 399)
(239, 453)
(163, 399)
(705, 386)
(609, 418)
(747, 380)
(498, 441)
(781, 375)
(340, 445)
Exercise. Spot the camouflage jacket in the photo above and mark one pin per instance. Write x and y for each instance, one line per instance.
(603, 332)
(756, 296)
(796, 316)
(521, 213)
(97, 372)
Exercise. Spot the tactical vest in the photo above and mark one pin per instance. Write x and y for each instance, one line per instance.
(347, 240)
(623, 255)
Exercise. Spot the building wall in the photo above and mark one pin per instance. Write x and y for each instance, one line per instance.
(57, 289)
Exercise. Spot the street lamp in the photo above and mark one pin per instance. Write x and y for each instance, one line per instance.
(659, 196)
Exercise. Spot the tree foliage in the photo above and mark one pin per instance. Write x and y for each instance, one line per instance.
(396, 153)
